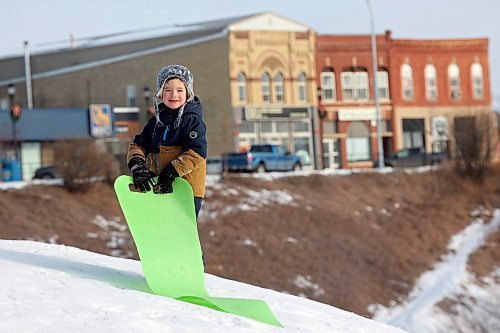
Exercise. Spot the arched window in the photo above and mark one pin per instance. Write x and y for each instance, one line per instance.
(454, 81)
(302, 85)
(430, 82)
(265, 82)
(278, 88)
(383, 84)
(242, 88)
(354, 84)
(407, 82)
(328, 85)
(476, 71)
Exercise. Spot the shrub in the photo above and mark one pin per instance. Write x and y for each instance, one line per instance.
(473, 141)
(81, 164)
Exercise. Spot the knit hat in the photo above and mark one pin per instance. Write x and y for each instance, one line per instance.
(170, 72)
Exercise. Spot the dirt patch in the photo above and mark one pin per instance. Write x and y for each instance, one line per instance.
(349, 241)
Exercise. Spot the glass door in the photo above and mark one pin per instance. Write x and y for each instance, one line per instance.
(331, 153)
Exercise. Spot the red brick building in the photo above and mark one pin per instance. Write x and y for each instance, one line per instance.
(424, 87)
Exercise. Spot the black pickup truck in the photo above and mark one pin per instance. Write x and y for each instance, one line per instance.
(414, 157)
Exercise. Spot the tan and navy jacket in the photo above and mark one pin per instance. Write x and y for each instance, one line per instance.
(185, 146)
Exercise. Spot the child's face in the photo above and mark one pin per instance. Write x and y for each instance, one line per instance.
(174, 93)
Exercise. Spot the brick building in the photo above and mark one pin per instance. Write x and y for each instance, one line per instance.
(344, 77)
(425, 87)
(436, 83)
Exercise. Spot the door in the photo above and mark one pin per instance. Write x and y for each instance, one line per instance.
(30, 158)
(331, 154)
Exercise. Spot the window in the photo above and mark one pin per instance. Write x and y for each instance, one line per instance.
(328, 85)
(430, 82)
(477, 81)
(302, 149)
(278, 88)
(131, 95)
(266, 98)
(282, 126)
(300, 126)
(454, 81)
(242, 90)
(358, 142)
(407, 82)
(266, 127)
(413, 133)
(354, 85)
(302, 87)
(247, 127)
(383, 84)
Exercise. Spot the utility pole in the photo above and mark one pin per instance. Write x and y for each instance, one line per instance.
(380, 147)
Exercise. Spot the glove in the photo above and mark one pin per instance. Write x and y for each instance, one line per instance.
(166, 178)
(143, 178)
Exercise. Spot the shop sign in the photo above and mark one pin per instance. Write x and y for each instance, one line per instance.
(101, 120)
(260, 113)
(357, 114)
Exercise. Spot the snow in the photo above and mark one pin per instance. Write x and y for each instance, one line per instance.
(448, 278)
(56, 288)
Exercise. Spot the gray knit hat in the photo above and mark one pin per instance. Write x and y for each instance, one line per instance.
(166, 73)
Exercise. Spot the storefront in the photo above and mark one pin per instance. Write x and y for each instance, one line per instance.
(288, 127)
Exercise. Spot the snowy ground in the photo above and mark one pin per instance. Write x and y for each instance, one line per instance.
(55, 288)
(114, 295)
(449, 279)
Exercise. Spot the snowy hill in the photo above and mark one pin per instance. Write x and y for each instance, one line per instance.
(57, 288)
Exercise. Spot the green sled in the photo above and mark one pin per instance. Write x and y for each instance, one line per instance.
(166, 236)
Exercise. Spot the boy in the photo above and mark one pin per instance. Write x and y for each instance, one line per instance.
(174, 140)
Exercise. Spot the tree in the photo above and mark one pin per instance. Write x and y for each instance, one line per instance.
(473, 141)
(80, 164)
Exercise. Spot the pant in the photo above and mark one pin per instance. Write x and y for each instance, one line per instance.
(197, 205)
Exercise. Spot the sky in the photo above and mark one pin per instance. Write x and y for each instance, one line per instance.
(61, 288)
(41, 22)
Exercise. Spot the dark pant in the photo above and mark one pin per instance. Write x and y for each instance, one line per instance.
(197, 205)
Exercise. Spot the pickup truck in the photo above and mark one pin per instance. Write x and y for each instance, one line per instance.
(414, 157)
(261, 158)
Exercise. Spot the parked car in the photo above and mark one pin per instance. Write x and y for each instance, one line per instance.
(414, 157)
(261, 158)
(47, 172)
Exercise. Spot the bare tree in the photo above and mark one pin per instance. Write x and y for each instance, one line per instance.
(472, 141)
(80, 164)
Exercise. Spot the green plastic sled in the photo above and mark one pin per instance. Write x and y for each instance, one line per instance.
(166, 236)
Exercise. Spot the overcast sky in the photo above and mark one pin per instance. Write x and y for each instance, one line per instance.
(42, 21)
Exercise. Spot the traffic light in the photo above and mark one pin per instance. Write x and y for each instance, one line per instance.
(15, 112)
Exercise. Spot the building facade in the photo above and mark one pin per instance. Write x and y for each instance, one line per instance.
(266, 79)
(272, 71)
(436, 83)
(424, 88)
(347, 104)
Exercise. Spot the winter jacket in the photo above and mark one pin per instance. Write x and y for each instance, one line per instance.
(185, 146)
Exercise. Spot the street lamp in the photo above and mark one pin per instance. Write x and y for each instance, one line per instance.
(381, 163)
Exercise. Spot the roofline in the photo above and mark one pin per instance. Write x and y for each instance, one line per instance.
(92, 64)
(245, 19)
